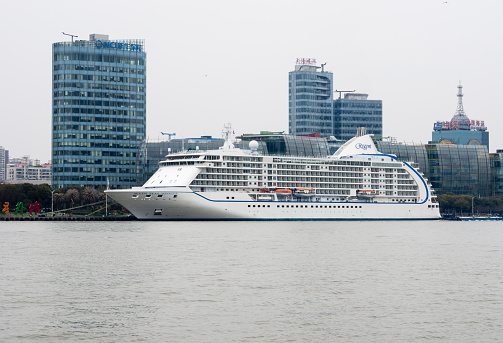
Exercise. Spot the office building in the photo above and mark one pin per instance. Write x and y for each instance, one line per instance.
(98, 112)
(460, 129)
(4, 159)
(313, 110)
(310, 99)
(354, 110)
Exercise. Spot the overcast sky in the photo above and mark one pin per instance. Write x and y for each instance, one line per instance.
(213, 62)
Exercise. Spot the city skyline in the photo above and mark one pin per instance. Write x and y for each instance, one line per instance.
(224, 61)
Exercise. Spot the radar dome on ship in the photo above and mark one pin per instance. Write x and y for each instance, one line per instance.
(253, 145)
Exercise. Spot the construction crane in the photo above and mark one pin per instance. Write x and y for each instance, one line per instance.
(340, 92)
(169, 135)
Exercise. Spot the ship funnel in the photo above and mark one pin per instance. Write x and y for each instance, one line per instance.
(361, 131)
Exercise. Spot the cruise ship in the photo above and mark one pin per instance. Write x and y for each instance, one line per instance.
(357, 182)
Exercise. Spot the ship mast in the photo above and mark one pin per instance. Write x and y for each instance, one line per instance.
(228, 135)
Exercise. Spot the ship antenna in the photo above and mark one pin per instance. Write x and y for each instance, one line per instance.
(228, 136)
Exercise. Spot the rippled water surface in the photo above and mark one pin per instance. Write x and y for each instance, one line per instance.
(251, 281)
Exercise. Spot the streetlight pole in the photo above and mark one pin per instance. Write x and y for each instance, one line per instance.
(472, 204)
(52, 203)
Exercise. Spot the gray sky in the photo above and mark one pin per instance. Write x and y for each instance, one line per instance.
(213, 62)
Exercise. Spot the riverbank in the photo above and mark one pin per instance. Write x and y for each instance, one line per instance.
(67, 218)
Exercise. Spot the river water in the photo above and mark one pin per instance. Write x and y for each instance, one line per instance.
(319, 281)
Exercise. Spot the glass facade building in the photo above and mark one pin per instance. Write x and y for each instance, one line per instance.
(354, 111)
(407, 152)
(312, 108)
(310, 101)
(460, 169)
(98, 111)
(497, 171)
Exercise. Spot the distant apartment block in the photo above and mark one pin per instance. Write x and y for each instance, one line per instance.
(26, 170)
(4, 159)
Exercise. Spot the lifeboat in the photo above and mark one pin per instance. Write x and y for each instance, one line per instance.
(304, 192)
(265, 190)
(283, 191)
(366, 192)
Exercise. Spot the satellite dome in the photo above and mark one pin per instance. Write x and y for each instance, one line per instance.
(253, 145)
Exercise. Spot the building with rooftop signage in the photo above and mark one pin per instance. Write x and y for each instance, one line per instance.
(98, 111)
(460, 129)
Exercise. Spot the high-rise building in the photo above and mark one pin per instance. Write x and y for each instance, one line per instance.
(4, 159)
(310, 99)
(354, 111)
(313, 110)
(461, 130)
(98, 111)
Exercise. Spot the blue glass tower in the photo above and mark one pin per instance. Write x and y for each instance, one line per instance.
(98, 111)
(313, 110)
(310, 100)
(354, 111)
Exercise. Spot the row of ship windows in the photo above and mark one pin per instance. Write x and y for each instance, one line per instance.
(148, 196)
(307, 206)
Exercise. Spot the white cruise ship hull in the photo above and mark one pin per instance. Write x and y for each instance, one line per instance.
(183, 204)
(356, 183)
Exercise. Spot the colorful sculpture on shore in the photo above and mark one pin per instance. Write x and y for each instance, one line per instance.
(20, 208)
(34, 208)
(6, 208)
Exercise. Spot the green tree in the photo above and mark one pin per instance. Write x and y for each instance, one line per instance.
(72, 196)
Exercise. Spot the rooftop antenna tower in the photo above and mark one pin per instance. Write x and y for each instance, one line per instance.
(459, 109)
(67, 34)
(460, 115)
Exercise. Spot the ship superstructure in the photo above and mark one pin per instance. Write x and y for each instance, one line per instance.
(357, 182)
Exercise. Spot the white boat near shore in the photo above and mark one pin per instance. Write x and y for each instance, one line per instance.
(356, 183)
